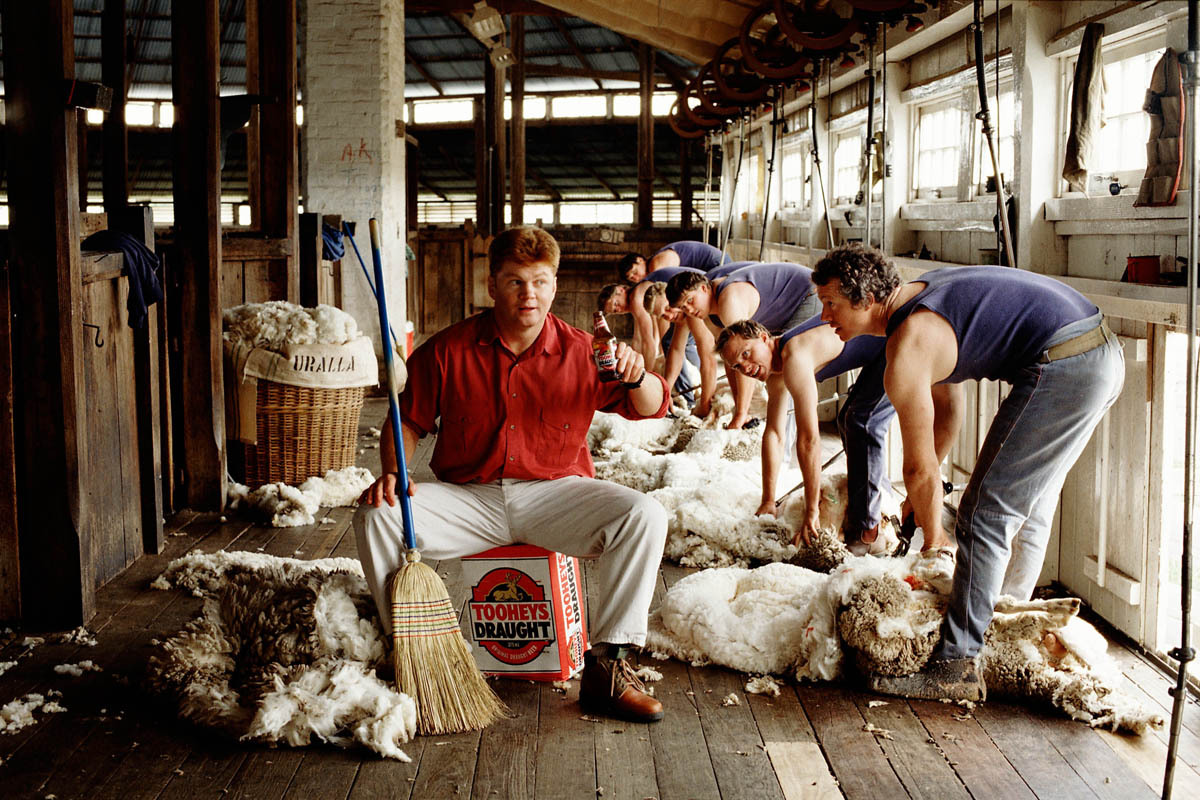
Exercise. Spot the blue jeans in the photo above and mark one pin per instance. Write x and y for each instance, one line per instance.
(1037, 435)
(683, 384)
(863, 424)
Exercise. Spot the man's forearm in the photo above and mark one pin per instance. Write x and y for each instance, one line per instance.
(387, 445)
(772, 446)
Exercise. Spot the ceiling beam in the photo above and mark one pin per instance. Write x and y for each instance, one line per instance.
(547, 52)
(424, 72)
(592, 171)
(579, 55)
(691, 33)
(425, 182)
(555, 194)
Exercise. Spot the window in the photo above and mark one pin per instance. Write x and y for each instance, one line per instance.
(1120, 153)
(939, 134)
(139, 113)
(1126, 126)
(166, 115)
(661, 102)
(1001, 113)
(570, 106)
(626, 105)
(847, 152)
(430, 111)
(614, 213)
(795, 170)
(534, 107)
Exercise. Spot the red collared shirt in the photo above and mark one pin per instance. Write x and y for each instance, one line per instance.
(506, 416)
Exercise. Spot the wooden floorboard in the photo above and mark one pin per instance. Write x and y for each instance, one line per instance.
(809, 742)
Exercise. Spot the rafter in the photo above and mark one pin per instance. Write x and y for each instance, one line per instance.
(425, 182)
(537, 176)
(579, 54)
(424, 72)
(592, 171)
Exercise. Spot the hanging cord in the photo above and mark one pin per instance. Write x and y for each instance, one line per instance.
(1184, 654)
(816, 154)
(984, 117)
(869, 152)
(736, 175)
(708, 152)
(883, 164)
(775, 121)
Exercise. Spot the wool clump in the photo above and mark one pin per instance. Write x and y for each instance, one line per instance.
(873, 616)
(277, 323)
(286, 506)
(710, 499)
(284, 651)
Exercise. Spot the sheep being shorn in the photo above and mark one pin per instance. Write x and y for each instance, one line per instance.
(874, 615)
(693, 469)
(283, 651)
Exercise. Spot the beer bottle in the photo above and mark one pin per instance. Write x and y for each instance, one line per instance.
(604, 348)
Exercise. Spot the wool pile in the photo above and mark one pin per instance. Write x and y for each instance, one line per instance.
(284, 651)
(285, 506)
(709, 480)
(877, 616)
(277, 323)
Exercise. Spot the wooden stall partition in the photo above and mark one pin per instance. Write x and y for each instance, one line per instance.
(10, 564)
(442, 278)
(197, 251)
(255, 269)
(113, 515)
(151, 400)
(43, 192)
(320, 279)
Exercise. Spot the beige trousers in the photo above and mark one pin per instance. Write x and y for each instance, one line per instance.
(583, 517)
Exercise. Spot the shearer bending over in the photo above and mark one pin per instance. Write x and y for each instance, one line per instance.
(779, 296)
(794, 363)
(654, 322)
(515, 388)
(698, 255)
(972, 323)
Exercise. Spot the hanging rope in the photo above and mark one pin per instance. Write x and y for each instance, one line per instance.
(984, 117)
(1184, 654)
(816, 153)
(762, 241)
(708, 153)
(736, 175)
(883, 164)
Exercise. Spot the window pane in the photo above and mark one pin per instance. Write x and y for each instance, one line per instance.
(430, 111)
(579, 106)
(626, 105)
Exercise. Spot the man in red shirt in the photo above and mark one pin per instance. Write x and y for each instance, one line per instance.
(515, 389)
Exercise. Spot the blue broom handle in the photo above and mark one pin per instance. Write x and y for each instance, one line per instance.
(410, 538)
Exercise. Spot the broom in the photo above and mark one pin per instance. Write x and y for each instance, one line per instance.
(433, 662)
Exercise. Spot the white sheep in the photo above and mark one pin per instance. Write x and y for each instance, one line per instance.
(868, 616)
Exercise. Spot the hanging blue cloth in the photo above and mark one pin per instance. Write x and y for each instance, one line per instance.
(142, 266)
(332, 248)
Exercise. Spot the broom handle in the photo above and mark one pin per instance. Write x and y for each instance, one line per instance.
(410, 538)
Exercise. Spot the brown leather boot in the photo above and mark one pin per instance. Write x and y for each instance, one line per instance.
(609, 687)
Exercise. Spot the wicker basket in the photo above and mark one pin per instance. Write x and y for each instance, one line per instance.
(301, 432)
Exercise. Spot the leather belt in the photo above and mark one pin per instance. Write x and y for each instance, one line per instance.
(1088, 340)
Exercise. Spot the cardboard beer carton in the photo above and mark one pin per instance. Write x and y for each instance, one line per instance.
(524, 615)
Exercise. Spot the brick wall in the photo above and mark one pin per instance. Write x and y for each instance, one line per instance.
(352, 83)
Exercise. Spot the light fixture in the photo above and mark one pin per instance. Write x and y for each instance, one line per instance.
(486, 23)
(914, 24)
(847, 62)
(501, 56)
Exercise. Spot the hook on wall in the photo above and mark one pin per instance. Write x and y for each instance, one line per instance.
(98, 341)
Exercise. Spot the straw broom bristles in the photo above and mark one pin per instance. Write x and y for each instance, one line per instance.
(433, 662)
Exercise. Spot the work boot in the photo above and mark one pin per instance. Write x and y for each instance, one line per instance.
(609, 687)
(941, 679)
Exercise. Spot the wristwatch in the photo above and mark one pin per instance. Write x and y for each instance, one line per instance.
(635, 384)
